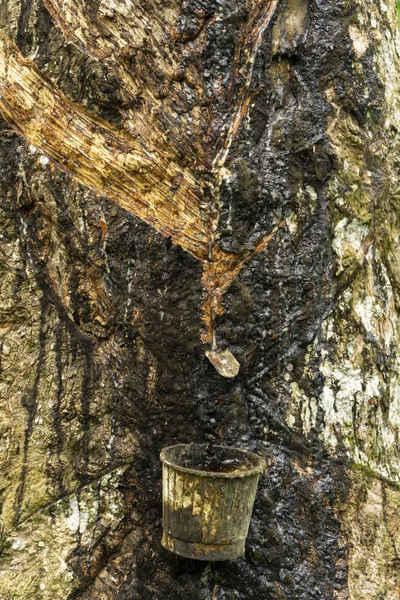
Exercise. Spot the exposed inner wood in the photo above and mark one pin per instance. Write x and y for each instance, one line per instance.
(143, 180)
(162, 81)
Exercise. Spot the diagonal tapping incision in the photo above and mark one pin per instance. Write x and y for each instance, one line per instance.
(139, 167)
(147, 183)
(139, 42)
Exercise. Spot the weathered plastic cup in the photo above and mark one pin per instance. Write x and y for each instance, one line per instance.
(208, 497)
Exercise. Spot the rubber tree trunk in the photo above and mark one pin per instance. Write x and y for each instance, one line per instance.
(172, 172)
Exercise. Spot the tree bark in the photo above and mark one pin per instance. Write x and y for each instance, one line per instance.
(172, 172)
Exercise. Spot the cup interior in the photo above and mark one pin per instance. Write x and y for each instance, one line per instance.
(212, 459)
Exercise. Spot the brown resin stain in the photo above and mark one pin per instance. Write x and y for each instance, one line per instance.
(218, 274)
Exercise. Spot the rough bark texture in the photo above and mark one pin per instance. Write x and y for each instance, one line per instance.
(278, 116)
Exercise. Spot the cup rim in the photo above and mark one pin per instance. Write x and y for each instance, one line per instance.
(253, 470)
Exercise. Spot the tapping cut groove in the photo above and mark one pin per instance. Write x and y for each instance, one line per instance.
(153, 165)
(145, 182)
